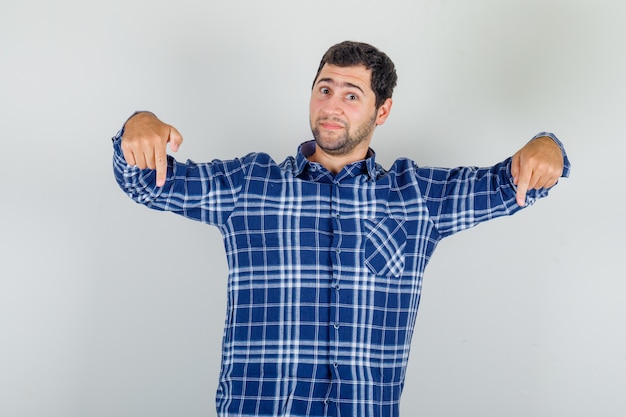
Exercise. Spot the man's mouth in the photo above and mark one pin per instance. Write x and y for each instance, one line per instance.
(330, 125)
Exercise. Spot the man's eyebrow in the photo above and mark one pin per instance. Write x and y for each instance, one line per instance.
(341, 85)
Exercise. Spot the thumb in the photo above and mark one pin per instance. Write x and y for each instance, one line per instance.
(175, 139)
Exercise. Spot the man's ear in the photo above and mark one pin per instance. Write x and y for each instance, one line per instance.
(383, 112)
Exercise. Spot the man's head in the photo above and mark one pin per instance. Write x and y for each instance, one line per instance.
(351, 95)
(349, 53)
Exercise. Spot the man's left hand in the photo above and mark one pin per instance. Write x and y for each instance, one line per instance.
(537, 165)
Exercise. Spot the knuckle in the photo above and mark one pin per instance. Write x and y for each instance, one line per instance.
(126, 145)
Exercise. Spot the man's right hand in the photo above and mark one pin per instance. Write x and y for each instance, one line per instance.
(144, 143)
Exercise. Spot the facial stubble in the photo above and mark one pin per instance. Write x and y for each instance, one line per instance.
(346, 142)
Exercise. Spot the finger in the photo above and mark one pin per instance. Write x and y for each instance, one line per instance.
(150, 160)
(140, 160)
(522, 187)
(515, 167)
(546, 182)
(551, 177)
(175, 139)
(127, 151)
(129, 157)
(550, 182)
(161, 167)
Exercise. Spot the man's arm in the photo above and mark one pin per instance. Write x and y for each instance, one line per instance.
(539, 164)
(145, 140)
(462, 197)
(207, 192)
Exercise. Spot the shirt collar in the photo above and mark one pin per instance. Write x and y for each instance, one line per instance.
(367, 166)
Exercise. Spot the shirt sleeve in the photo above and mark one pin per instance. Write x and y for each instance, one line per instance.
(462, 197)
(206, 192)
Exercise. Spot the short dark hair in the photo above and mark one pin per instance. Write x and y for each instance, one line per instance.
(350, 53)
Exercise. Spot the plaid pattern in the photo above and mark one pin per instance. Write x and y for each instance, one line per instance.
(325, 270)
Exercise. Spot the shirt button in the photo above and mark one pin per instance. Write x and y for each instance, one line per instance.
(336, 326)
(337, 250)
(335, 364)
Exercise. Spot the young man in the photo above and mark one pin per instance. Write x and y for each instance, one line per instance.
(326, 250)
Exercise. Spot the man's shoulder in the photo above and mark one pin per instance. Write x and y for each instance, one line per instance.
(257, 162)
(399, 167)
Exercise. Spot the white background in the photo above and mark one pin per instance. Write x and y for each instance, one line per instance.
(108, 309)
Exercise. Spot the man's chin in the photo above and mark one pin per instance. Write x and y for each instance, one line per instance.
(329, 144)
(334, 149)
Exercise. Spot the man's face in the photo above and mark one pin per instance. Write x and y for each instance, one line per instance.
(343, 110)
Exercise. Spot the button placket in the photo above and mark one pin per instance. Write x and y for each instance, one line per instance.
(335, 315)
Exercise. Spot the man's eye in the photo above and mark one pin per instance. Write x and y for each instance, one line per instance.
(324, 90)
(351, 97)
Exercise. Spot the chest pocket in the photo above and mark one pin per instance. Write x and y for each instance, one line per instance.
(384, 246)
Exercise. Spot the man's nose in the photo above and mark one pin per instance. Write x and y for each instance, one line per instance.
(333, 105)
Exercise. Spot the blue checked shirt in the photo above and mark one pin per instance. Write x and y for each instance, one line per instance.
(325, 270)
